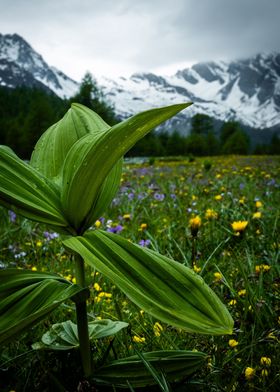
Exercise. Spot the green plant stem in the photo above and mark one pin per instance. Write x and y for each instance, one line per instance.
(194, 251)
(82, 320)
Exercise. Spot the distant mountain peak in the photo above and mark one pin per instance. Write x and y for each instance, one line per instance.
(246, 90)
(20, 64)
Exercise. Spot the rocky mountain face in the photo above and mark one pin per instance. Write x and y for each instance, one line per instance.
(21, 65)
(247, 91)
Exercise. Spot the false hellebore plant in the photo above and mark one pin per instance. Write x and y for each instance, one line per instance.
(72, 177)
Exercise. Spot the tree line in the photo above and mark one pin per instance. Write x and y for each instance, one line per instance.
(25, 113)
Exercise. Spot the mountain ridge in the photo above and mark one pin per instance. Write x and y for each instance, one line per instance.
(246, 90)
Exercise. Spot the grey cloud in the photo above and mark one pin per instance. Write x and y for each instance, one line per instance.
(142, 35)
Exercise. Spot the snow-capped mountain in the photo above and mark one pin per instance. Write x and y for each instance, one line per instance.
(247, 90)
(21, 65)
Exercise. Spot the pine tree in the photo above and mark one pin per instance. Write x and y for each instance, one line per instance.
(93, 97)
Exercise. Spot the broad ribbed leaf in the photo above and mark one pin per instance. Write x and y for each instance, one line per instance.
(26, 297)
(108, 191)
(91, 159)
(174, 364)
(166, 289)
(52, 147)
(64, 336)
(26, 191)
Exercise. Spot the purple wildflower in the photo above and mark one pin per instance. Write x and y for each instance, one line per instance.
(241, 186)
(115, 229)
(50, 236)
(144, 243)
(159, 196)
(142, 195)
(12, 216)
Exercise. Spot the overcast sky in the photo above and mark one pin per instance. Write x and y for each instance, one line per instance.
(120, 37)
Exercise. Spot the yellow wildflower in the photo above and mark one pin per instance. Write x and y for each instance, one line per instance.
(195, 224)
(211, 214)
(242, 293)
(143, 226)
(127, 216)
(218, 276)
(218, 197)
(39, 244)
(265, 361)
(138, 339)
(104, 295)
(232, 302)
(158, 328)
(97, 287)
(258, 204)
(233, 343)
(242, 200)
(249, 373)
(262, 268)
(97, 224)
(196, 268)
(257, 215)
(34, 269)
(239, 226)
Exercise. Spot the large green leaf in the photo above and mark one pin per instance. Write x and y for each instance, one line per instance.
(107, 192)
(52, 147)
(174, 364)
(64, 336)
(26, 297)
(162, 287)
(26, 191)
(92, 157)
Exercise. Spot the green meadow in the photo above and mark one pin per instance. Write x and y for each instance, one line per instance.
(218, 216)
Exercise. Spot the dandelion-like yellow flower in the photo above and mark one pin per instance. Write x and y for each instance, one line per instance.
(143, 226)
(239, 226)
(232, 343)
(249, 373)
(39, 244)
(211, 214)
(257, 215)
(258, 204)
(138, 339)
(232, 302)
(195, 224)
(127, 216)
(34, 269)
(218, 197)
